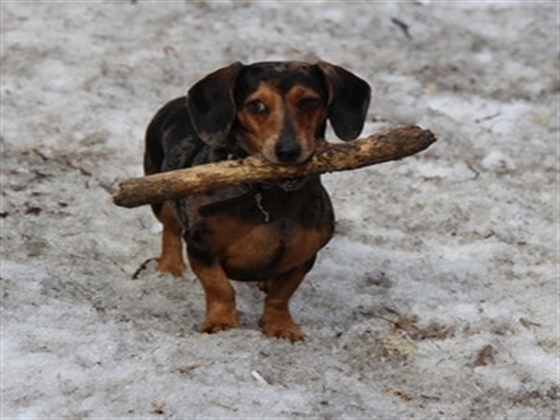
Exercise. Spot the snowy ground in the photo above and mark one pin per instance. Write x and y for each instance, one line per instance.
(438, 298)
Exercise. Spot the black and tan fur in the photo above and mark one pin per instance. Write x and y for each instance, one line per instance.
(269, 232)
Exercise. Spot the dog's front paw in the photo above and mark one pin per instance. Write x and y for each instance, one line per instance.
(282, 328)
(213, 325)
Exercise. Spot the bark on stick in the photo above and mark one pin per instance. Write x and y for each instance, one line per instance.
(329, 157)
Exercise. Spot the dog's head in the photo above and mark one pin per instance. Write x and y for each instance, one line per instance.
(278, 109)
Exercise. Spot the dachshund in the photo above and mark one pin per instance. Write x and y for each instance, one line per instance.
(267, 232)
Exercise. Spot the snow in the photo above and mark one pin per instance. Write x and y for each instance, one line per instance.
(437, 259)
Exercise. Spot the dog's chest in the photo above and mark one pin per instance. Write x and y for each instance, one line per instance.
(261, 235)
(250, 251)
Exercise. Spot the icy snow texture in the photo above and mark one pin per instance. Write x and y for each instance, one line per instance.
(460, 241)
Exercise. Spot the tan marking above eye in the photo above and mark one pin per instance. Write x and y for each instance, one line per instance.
(304, 99)
(308, 104)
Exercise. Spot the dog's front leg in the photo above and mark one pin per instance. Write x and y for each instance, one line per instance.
(221, 313)
(276, 320)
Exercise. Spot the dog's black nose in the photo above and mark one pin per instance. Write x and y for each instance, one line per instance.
(287, 151)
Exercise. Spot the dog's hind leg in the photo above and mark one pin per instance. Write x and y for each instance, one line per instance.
(171, 259)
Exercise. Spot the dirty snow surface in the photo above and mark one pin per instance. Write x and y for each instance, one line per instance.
(438, 296)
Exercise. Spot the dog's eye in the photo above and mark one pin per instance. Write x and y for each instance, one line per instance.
(308, 104)
(256, 107)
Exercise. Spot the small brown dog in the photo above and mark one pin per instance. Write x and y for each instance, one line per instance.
(266, 232)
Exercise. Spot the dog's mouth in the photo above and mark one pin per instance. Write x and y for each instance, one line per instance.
(291, 184)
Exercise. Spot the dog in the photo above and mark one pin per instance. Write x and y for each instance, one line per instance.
(267, 232)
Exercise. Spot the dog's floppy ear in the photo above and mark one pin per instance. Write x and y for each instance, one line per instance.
(211, 106)
(348, 100)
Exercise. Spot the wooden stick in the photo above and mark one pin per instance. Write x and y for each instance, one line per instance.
(377, 148)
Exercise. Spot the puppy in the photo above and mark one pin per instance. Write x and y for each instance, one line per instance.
(266, 232)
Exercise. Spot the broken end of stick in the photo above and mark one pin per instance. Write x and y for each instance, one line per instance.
(409, 140)
(414, 137)
(426, 137)
(122, 197)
